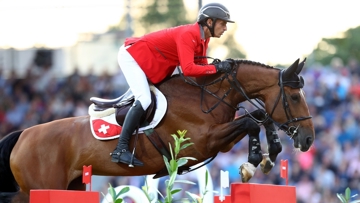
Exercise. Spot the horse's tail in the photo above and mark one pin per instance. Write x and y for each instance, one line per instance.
(7, 180)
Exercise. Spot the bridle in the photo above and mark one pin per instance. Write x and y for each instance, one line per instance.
(235, 84)
(290, 130)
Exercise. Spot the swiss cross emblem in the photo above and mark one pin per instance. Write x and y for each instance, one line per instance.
(103, 129)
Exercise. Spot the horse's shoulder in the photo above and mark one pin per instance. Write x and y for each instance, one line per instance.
(169, 82)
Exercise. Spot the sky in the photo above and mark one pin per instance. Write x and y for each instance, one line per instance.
(272, 32)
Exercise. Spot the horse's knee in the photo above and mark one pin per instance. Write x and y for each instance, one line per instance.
(258, 114)
(274, 148)
(274, 144)
(252, 127)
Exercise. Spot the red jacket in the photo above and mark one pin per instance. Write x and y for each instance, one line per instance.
(159, 53)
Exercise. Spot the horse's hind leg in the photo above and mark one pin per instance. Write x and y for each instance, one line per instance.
(21, 197)
(247, 170)
(12, 197)
(6, 197)
(77, 184)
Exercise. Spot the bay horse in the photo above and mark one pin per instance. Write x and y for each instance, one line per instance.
(52, 155)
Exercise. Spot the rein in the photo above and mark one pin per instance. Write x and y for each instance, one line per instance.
(203, 88)
(235, 84)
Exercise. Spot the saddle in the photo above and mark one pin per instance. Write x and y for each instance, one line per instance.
(122, 105)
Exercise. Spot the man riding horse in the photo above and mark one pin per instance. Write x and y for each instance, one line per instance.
(155, 56)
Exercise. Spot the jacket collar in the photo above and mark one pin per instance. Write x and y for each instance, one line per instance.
(202, 33)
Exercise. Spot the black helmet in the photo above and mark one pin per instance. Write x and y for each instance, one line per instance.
(214, 11)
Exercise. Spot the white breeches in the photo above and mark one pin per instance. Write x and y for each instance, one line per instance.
(135, 77)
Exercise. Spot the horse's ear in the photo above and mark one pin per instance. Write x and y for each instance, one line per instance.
(300, 66)
(289, 71)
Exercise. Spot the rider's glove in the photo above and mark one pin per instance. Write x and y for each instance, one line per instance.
(224, 66)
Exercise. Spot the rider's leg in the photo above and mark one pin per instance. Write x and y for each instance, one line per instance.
(138, 84)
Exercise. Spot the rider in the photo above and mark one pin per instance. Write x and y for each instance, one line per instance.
(155, 56)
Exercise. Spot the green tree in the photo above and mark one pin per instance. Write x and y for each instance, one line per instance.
(345, 48)
(164, 13)
(234, 49)
(226, 46)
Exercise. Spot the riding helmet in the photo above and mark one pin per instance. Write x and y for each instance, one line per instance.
(214, 11)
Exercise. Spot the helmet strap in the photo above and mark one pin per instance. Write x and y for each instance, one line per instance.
(212, 27)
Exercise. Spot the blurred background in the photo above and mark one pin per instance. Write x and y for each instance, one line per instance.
(55, 55)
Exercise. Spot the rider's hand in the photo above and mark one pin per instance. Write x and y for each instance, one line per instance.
(215, 61)
(231, 61)
(224, 66)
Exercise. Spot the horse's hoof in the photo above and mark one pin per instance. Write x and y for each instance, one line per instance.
(247, 171)
(266, 164)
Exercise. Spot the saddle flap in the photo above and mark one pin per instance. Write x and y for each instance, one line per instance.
(123, 107)
(107, 116)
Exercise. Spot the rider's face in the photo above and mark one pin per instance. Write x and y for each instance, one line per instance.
(220, 28)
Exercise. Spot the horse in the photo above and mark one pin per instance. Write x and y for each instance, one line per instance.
(52, 155)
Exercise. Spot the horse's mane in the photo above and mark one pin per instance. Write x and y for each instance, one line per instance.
(238, 61)
(241, 61)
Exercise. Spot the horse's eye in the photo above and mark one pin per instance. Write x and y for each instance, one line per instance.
(295, 97)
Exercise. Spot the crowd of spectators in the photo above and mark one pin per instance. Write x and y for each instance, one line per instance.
(333, 96)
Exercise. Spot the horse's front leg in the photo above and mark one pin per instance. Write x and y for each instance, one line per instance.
(224, 136)
(274, 147)
(273, 140)
(247, 170)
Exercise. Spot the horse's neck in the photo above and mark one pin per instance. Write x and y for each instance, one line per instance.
(255, 79)
(189, 99)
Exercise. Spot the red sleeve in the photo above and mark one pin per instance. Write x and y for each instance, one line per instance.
(205, 60)
(186, 46)
(131, 40)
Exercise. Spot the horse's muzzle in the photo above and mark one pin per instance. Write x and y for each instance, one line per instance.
(303, 139)
(303, 144)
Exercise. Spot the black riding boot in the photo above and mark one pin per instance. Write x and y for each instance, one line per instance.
(132, 119)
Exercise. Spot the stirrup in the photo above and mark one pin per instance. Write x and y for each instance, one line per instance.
(115, 155)
(128, 159)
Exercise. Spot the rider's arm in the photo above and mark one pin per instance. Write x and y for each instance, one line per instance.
(187, 45)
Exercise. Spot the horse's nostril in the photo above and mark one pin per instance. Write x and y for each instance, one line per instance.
(309, 141)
